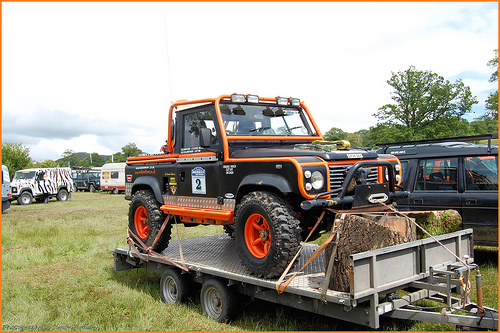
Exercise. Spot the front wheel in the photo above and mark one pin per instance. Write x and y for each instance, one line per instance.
(267, 234)
(145, 220)
(26, 198)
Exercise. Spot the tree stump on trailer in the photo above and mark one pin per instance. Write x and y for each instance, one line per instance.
(366, 232)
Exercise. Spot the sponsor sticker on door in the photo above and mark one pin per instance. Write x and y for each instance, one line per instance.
(198, 181)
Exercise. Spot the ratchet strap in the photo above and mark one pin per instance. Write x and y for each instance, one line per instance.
(149, 249)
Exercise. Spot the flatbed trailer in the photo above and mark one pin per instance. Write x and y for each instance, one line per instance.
(424, 269)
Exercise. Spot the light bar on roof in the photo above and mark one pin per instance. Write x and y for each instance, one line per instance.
(252, 99)
(238, 98)
(295, 101)
(282, 100)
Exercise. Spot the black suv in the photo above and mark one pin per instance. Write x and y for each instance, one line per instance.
(87, 180)
(452, 174)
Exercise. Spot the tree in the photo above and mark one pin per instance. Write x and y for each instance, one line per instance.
(130, 149)
(423, 99)
(68, 159)
(45, 164)
(335, 134)
(93, 160)
(16, 157)
(492, 101)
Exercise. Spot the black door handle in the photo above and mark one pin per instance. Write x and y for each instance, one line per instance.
(418, 201)
(471, 202)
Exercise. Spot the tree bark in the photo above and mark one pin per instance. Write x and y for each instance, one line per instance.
(366, 232)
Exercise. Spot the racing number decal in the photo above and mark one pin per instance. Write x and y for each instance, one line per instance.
(198, 181)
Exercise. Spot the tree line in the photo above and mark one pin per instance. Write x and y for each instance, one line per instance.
(16, 156)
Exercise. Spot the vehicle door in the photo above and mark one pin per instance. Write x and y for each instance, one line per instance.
(199, 168)
(436, 185)
(480, 198)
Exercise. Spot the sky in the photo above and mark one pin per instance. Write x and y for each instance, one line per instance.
(95, 76)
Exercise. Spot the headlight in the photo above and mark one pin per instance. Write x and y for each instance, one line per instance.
(317, 180)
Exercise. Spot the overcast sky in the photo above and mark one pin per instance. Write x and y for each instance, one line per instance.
(95, 76)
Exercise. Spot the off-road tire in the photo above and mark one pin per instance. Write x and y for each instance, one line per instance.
(145, 220)
(229, 229)
(260, 215)
(91, 188)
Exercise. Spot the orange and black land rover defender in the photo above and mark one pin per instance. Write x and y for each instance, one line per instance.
(259, 167)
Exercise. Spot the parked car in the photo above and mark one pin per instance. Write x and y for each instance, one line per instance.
(452, 174)
(6, 189)
(42, 184)
(87, 179)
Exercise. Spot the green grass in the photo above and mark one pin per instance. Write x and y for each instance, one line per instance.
(57, 274)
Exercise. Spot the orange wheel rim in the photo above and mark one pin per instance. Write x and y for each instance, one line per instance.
(258, 235)
(141, 222)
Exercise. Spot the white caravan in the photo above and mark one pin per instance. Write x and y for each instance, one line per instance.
(42, 184)
(113, 177)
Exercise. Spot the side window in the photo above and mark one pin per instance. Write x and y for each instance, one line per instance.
(193, 122)
(481, 173)
(437, 175)
(114, 175)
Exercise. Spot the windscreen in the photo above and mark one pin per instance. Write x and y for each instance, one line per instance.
(268, 120)
(24, 175)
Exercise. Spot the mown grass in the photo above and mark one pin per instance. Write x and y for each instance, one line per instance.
(57, 274)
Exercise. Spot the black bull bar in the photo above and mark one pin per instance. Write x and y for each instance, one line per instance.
(364, 194)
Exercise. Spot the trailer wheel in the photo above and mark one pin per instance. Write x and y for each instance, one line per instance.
(146, 219)
(174, 287)
(62, 195)
(267, 234)
(217, 300)
(26, 198)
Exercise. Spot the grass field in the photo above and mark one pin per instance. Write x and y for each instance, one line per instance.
(57, 274)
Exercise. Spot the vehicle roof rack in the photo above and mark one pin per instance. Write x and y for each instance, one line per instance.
(488, 137)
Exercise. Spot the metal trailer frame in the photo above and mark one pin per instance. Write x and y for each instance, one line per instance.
(424, 267)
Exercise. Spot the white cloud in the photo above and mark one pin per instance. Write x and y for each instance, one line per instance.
(110, 70)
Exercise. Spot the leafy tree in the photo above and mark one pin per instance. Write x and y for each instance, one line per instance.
(130, 149)
(492, 101)
(16, 157)
(93, 160)
(68, 159)
(335, 134)
(422, 100)
(45, 164)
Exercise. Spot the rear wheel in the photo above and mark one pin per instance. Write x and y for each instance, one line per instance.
(91, 188)
(217, 300)
(146, 219)
(62, 195)
(267, 234)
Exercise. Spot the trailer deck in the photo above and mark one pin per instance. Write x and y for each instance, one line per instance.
(421, 265)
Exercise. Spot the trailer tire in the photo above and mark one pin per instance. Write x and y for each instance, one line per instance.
(217, 300)
(267, 233)
(174, 287)
(62, 195)
(26, 198)
(146, 219)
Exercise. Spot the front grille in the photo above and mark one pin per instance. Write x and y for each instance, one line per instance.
(338, 174)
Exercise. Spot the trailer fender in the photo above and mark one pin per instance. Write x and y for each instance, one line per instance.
(148, 182)
(266, 179)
